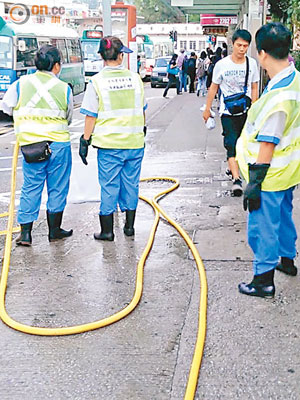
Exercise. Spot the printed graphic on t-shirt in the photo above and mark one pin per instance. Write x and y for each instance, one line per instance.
(235, 79)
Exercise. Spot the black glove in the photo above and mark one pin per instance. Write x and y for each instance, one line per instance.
(145, 130)
(257, 173)
(83, 148)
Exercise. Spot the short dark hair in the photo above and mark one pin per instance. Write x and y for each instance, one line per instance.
(46, 57)
(174, 57)
(242, 34)
(275, 39)
(110, 48)
(219, 51)
(203, 55)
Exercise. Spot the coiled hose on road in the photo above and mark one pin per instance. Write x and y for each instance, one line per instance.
(198, 352)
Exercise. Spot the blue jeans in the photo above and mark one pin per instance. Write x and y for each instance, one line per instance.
(56, 173)
(183, 81)
(119, 176)
(271, 230)
(201, 85)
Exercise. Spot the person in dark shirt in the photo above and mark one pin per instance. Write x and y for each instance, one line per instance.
(173, 78)
(192, 71)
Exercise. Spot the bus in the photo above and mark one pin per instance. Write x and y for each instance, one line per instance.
(90, 42)
(146, 52)
(19, 44)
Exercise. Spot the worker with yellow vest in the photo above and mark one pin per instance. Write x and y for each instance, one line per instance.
(114, 124)
(268, 153)
(42, 108)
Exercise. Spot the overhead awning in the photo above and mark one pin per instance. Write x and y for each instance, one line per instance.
(220, 7)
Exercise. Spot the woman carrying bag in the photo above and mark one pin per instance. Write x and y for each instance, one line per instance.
(173, 75)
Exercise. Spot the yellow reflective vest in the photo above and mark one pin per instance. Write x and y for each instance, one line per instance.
(120, 120)
(284, 171)
(41, 111)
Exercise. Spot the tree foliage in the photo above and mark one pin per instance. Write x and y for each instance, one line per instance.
(286, 11)
(158, 11)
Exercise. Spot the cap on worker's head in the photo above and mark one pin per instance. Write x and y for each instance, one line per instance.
(110, 47)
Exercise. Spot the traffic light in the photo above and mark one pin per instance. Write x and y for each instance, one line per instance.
(173, 36)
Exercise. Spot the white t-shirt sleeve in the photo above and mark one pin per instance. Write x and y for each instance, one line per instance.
(90, 103)
(255, 75)
(217, 73)
(273, 128)
(10, 99)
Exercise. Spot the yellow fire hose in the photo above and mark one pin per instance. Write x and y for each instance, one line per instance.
(198, 352)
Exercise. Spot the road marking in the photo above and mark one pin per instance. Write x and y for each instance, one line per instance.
(8, 157)
(5, 197)
(8, 169)
(152, 98)
(4, 131)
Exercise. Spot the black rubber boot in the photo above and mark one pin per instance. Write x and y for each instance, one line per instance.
(128, 227)
(261, 285)
(107, 228)
(55, 231)
(24, 239)
(287, 266)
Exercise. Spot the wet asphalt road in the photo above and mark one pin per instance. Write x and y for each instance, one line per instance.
(252, 345)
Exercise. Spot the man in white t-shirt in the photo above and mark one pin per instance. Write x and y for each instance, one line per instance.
(229, 75)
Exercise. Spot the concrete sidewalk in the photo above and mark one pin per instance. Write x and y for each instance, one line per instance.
(252, 344)
(252, 347)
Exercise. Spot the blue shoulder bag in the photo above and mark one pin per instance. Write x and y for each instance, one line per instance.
(239, 103)
(172, 71)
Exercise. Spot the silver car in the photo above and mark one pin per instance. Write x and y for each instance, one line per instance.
(159, 76)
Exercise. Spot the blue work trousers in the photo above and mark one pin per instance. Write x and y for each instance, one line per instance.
(271, 230)
(119, 175)
(56, 173)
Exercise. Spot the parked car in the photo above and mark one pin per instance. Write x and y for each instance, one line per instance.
(159, 76)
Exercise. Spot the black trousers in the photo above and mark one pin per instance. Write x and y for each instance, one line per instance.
(232, 129)
(173, 79)
(192, 76)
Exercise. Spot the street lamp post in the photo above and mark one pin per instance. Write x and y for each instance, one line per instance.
(106, 10)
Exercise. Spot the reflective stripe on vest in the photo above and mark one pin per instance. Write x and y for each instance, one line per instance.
(284, 171)
(120, 118)
(41, 110)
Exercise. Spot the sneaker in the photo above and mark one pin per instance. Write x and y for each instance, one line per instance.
(228, 173)
(237, 188)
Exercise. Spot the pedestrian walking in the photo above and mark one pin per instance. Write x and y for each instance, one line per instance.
(192, 71)
(42, 108)
(237, 76)
(114, 108)
(201, 74)
(224, 50)
(139, 64)
(184, 74)
(173, 75)
(180, 60)
(268, 154)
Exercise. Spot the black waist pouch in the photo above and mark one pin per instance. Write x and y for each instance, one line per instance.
(36, 152)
